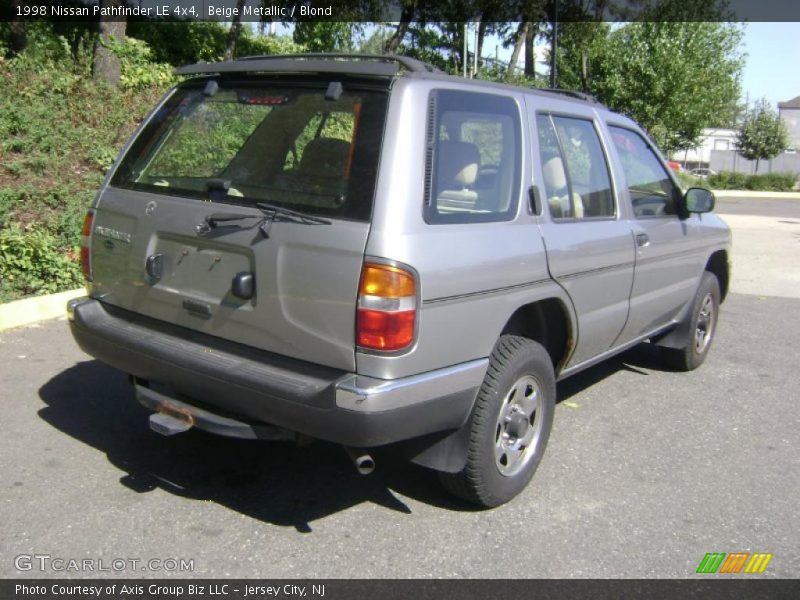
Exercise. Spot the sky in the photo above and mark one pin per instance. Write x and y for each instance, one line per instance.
(772, 69)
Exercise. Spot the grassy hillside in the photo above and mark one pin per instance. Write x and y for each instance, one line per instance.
(59, 133)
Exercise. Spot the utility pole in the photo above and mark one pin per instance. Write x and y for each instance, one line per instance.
(554, 48)
(466, 48)
(475, 68)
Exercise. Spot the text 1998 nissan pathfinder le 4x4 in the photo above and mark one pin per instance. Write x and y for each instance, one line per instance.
(364, 250)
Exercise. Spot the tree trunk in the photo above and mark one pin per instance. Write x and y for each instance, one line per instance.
(17, 38)
(406, 16)
(105, 66)
(530, 54)
(235, 30)
(481, 35)
(584, 70)
(522, 32)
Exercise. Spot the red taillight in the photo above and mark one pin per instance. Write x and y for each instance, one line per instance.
(387, 308)
(86, 245)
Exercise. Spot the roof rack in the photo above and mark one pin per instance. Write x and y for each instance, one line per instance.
(331, 62)
(572, 94)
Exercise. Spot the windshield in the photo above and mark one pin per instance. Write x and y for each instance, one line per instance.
(288, 146)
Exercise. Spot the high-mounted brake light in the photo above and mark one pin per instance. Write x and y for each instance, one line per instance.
(387, 308)
(86, 245)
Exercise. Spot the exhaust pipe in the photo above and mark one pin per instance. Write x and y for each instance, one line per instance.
(363, 462)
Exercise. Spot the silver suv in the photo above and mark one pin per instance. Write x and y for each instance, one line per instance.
(367, 251)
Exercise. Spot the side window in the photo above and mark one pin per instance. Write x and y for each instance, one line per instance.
(574, 167)
(651, 189)
(473, 158)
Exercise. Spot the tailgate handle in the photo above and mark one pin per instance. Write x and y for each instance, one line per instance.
(243, 285)
(154, 266)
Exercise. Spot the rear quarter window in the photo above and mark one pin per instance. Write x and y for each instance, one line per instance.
(473, 157)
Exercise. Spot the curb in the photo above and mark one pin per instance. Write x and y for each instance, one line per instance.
(752, 194)
(39, 308)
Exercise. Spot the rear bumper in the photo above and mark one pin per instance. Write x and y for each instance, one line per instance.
(258, 387)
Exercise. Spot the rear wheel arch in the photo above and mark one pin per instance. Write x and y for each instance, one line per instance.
(546, 322)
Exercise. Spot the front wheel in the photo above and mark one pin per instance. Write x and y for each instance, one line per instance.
(509, 425)
(702, 327)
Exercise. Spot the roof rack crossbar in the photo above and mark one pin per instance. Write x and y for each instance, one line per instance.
(572, 93)
(410, 64)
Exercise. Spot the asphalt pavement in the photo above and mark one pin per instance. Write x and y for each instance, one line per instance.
(647, 470)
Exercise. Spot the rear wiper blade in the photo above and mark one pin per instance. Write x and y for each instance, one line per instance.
(280, 211)
(269, 214)
(216, 219)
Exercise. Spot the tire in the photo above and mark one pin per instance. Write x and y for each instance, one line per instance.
(701, 327)
(509, 425)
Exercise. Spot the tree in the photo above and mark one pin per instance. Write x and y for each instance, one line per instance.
(106, 66)
(235, 30)
(327, 36)
(675, 78)
(406, 16)
(763, 134)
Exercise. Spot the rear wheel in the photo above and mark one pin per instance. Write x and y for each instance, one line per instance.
(509, 426)
(702, 327)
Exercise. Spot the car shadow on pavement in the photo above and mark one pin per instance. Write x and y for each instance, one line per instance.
(274, 482)
(638, 359)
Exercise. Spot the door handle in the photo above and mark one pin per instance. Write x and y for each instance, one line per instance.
(642, 240)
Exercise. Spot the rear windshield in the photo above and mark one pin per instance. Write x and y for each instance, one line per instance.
(245, 143)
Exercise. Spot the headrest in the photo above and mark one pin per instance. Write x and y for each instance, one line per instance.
(554, 176)
(325, 157)
(458, 164)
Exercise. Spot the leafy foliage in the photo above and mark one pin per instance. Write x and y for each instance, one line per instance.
(772, 182)
(31, 262)
(763, 134)
(186, 42)
(674, 78)
(139, 71)
(59, 133)
(327, 36)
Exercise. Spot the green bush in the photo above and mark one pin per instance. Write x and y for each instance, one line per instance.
(186, 42)
(139, 71)
(31, 262)
(770, 182)
(727, 180)
(59, 133)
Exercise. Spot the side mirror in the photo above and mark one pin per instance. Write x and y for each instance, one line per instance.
(698, 200)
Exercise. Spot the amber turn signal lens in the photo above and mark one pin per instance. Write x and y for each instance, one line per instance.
(386, 281)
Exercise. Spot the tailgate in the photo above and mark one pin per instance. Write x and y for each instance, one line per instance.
(306, 276)
(220, 153)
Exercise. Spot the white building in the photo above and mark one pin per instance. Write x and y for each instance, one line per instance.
(713, 138)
